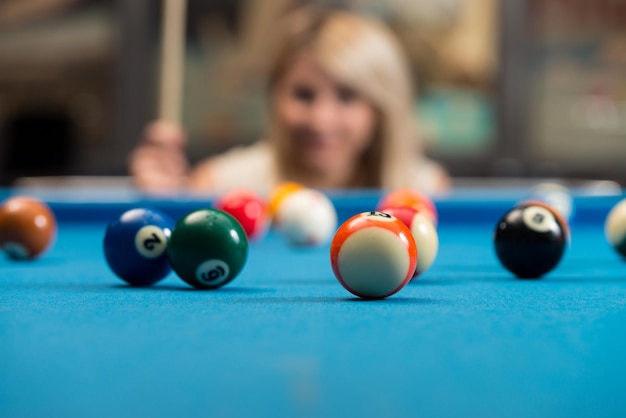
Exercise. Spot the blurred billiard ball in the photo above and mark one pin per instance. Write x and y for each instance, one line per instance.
(424, 233)
(409, 198)
(279, 194)
(305, 217)
(615, 227)
(249, 209)
(27, 227)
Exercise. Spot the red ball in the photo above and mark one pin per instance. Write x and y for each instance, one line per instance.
(412, 199)
(249, 209)
(373, 255)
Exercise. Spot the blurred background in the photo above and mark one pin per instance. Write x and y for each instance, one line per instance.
(505, 88)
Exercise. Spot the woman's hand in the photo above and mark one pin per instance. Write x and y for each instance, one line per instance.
(159, 163)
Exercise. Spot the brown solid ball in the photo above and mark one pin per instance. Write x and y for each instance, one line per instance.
(27, 227)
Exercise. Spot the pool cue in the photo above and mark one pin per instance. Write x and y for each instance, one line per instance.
(172, 60)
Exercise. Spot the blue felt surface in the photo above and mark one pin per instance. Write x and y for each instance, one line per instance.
(286, 340)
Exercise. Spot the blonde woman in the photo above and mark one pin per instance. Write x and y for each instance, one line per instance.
(340, 106)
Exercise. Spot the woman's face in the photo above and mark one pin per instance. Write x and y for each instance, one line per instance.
(328, 124)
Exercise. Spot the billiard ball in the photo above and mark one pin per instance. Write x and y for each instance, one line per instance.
(27, 227)
(409, 198)
(208, 248)
(373, 255)
(306, 217)
(135, 246)
(559, 216)
(615, 227)
(555, 195)
(530, 240)
(424, 233)
(249, 209)
(278, 195)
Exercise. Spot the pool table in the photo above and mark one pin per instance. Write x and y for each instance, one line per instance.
(284, 339)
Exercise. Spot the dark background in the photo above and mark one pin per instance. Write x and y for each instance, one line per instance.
(505, 88)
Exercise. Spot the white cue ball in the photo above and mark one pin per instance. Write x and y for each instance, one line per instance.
(306, 218)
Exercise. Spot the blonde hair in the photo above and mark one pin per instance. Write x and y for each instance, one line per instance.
(364, 55)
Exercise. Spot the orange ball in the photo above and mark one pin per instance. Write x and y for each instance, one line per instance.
(279, 194)
(27, 227)
(409, 198)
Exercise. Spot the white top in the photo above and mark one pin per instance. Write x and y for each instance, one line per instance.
(255, 167)
(245, 167)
